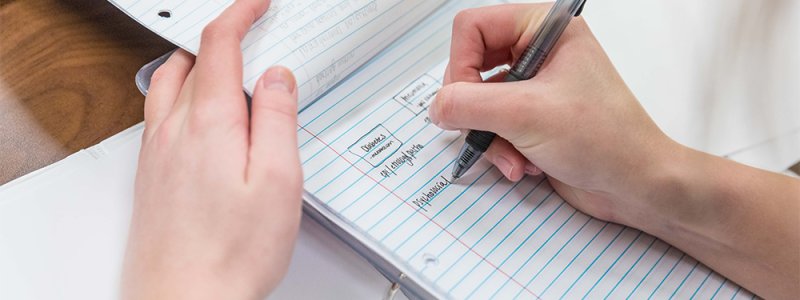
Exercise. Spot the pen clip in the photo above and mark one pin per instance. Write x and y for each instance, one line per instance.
(580, 9)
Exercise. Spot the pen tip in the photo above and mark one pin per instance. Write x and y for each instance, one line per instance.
(453, 178)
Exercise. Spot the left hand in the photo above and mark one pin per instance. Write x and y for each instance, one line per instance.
(218, 193)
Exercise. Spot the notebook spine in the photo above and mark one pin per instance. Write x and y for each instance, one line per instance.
(392, 273)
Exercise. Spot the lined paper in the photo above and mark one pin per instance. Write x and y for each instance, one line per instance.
(371, 156)
(321, 41)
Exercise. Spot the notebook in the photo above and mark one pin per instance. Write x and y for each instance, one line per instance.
(375, 168)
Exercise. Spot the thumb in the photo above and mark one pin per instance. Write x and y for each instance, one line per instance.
(273, 127)
(502, 108)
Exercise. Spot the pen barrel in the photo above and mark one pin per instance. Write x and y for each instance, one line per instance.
(545, 38)
(528, 65)
(480, 140)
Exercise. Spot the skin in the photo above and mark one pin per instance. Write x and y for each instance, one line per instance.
(217, 195)
(579, 123)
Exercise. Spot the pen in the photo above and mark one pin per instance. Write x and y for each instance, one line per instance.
(525, 68)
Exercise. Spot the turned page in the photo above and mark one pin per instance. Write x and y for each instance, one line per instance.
(321, 41)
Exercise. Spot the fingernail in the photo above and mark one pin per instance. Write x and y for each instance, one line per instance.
(530, 169)
(432, 114)
(504, 166)
(278, 79)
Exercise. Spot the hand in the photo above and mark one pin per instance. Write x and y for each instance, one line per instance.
(576, 120)
(218, 193)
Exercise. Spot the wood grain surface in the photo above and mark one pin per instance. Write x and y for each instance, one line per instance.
(66, 78)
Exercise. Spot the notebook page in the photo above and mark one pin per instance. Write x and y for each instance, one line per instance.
(321, 41)
(371, 157)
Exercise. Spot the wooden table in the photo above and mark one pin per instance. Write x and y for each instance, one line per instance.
(66, 78)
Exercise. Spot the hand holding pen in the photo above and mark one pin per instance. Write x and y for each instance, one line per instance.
(576, 120)
(526, 67)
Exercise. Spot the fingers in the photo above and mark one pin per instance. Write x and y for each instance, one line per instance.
(488, 37)
(219, 62)
(273, 129)
(513, 164)
(165, 86)
(503, 108)
(507, 159)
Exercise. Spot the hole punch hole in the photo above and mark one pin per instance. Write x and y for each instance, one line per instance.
(430, 260)
(166, 14)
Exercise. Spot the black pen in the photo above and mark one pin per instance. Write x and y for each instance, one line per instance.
(525, 68)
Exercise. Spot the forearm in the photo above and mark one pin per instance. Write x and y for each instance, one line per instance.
(741, 221)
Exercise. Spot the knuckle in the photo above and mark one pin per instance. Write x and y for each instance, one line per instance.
(146, 136)
(580, 22)
(578, 26)
(173, 68)
(294, 178)
(165, 71)
(200, 120)
(465, 17)
(519, 122)
(210, 123)
(164, 134)
(250, 15)
(161, 72)
(215, 30)
(281, 108)
(446, 102)
(289, 178)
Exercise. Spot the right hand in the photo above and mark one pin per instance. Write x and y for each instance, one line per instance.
(576, 120)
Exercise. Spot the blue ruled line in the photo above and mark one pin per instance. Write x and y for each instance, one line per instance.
(487, 233)
(653, 241)
(574, 212)
(446, 206)
(666, 276)
(515, 250)
(736, 292)
(503, 240)
(612, 265)
(576, 257)
(719, 288)
(593, 262)
(684, 280)
(555, 255)
(479, 219)
(701, 284)
(648, 272)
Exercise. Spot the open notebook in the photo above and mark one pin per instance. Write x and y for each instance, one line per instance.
(376, 169)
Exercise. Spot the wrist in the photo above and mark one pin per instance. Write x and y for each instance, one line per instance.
(663, 198)
(735, 219)
(687, 197)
